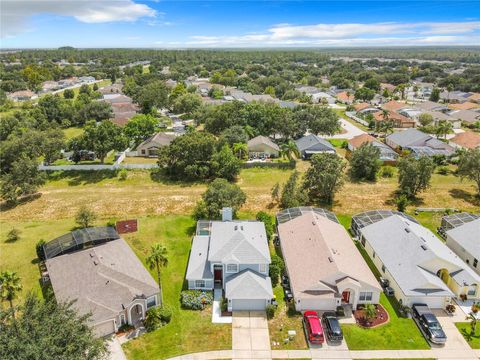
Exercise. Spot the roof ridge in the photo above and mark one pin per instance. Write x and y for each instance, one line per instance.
(108, 275)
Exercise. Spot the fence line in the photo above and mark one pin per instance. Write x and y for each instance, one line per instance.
(351, 115)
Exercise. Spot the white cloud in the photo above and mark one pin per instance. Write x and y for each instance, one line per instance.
(376, 34)
(15, 13)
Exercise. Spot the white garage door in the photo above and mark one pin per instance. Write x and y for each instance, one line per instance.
(105, 328)
(251, 304)
(432, 302)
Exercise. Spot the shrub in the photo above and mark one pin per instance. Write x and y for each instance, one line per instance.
(443, 170)
(402, 202)
(224, 305)
(165, 314)
(276, 269)
(13, 235)
(268, 221)
(85, 217)
(270, 309)
(39, 249)
(123, 174)
(196, 299)
(386, 171)
(152, 319)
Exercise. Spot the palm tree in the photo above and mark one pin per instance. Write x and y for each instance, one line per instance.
(289, 149)
(9, 287)
(387, 127)
(370, 312)
(443, 127)
(156, 260)
(473, 322)
(449, 90)
(241, 150)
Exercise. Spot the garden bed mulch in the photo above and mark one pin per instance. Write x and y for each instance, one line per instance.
(381, 318)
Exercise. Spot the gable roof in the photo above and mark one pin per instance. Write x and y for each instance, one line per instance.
(319, 253)
(430, 106)
(198, 266)
(262, 140)
(361, 106)
(408, 137)
(343, 96)
(103, 279)
(393, 105)
(241, 242)
(158, 139)
(466, 115)
(361, 139)
(467, 139)
(413, 255)
(393, 116)
(466, 236)
(248, 284)
(313, 143)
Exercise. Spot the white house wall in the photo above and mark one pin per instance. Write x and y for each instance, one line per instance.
(462, 253)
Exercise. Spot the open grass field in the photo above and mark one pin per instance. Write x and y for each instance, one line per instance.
(472, 339)
(72, 132)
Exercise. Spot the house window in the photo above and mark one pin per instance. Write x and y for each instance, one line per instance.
(263, 268)
(383, 269)
(475, 263)
(365, 296)
(143, 151)
(151, 301)
(472, 290)
(199, 283)
(232, 268)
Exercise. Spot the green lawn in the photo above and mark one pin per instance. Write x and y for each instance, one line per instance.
(189, 331)
(399, 334)
(72, 132)
(472, 339)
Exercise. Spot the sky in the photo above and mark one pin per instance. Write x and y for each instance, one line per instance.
(236, 24)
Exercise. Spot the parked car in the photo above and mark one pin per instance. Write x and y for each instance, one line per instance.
(428, 324)
(332, 326)
(313, 328)
(385, 283)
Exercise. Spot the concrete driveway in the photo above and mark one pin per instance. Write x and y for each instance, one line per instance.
(350, 131)
(250, 337)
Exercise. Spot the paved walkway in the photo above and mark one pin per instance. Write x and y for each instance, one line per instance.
(115, 349)
(350, 131)
(217, 317)
(250, 337)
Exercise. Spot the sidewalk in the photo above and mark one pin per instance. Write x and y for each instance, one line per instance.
(217, 317)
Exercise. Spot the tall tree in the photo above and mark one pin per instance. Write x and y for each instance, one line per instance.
(23, 179)
(290, 149)
(152, 96)
(10, 286)
(156, 260)
(292, 194)
(140, 127)
(469, 166)
(240, 150)
(414, 174)
(365, 162)
(49, 330)
(220, 193)
(225, 164)
(324, 177)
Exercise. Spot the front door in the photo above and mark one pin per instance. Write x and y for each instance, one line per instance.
(346, 297)
(217, 275)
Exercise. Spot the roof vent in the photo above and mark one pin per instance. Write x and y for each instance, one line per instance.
(236, 227)
(95, 262)
(314, 223)
(407, 230)
(424, 247)
(330, 259)
(241, 227)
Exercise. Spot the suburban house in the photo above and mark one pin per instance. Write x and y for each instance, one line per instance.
(262, 146)
(312, 144)
(345, 97)
(466, 140)
(22, 95)
(475, 97)
(468, 116)
(364, 108)
(151, 145)
(418, 265)
(462, 236)
(399, 121)
(454, 96)
(386, 153)
(431, 106)
(467, 105)
(232, 255)
(324, 267)
(419, 143)
(393, 106)
(97, 269)
(316, 94)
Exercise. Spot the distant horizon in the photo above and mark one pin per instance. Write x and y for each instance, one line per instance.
(171, 24)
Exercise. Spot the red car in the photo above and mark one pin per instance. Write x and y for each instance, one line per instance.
(313, 327)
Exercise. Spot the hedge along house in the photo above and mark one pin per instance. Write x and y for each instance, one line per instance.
(97, 269)
(234, 256)
(324, 266)
(420, 268)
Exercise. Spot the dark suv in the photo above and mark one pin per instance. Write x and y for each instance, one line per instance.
(332, 327)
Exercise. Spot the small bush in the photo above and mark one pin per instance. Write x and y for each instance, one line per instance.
(111, 223)
(224, 305)
(152, 319)
(123, 174)
(443, 170)
(13, 235)
(165, 315)
(196, 299)
(270, 309)
(386, 171)
(39, 250)
(402, 202)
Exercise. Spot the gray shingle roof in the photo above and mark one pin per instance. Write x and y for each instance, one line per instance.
(409, 137)
(243, 242)
(313, 143)
(248, 284)
(262, 140)
(413, 255)
(467, 236)
(103, 279)
(198, 265)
